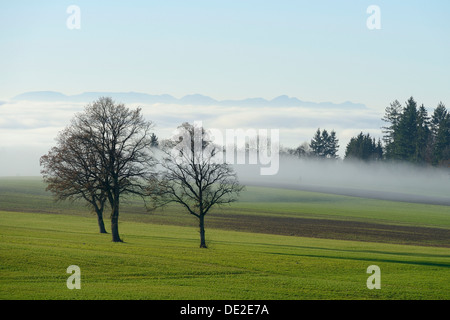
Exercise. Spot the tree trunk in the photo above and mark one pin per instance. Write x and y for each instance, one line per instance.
(101, 224)
(115, 229)
(202, 231)
(115, 224)
(114, 202)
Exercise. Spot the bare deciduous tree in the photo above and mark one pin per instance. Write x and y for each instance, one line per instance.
(112, 143)
(193, 174)
(70, 171)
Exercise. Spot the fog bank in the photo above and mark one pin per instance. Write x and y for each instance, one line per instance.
(380, 180)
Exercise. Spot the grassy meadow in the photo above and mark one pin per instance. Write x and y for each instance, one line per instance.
(272, 244)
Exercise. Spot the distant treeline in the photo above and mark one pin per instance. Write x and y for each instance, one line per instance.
(410, 135)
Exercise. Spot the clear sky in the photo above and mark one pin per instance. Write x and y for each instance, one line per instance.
(313, 50)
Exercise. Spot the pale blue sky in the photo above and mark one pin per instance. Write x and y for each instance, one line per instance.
(313, 50)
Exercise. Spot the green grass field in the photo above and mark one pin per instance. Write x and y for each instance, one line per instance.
(257, 249)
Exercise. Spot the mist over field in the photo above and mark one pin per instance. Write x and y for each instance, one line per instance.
(381, 180)
(28, 127)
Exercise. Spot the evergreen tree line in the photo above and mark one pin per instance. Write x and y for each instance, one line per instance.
(364, 147)
(323, 145)
(414, 136)
(410, 135)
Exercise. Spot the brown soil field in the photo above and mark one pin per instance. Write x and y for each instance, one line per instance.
(333, 229)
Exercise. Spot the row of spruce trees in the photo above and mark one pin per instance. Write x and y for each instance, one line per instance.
(410, 135)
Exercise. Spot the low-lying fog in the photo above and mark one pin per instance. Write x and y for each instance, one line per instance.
(403, 182)
(391, 181)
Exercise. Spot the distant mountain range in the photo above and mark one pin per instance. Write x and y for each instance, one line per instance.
(192, 99)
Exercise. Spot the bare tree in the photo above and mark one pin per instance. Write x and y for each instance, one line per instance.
(193, 174)
(69, 169)
(114, 143)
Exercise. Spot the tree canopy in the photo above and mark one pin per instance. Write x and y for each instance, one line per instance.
(324, 144)
(364, 147)
(413, 136)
